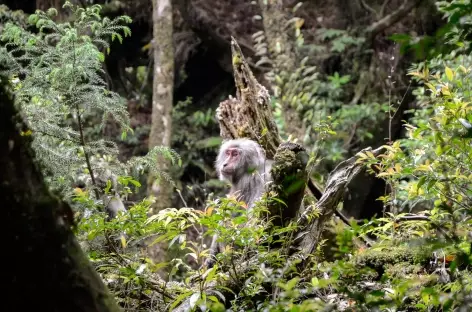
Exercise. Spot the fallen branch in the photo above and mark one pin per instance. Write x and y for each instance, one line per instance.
(312, 227)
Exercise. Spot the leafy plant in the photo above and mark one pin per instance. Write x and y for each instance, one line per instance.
(56, 75)
(429, 174)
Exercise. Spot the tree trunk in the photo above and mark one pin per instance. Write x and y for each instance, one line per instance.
(162, 96)
(45, 267)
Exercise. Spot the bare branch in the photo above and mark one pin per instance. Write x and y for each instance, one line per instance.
(369, 8)
(384, 6)
(392, 18)
(312, 227)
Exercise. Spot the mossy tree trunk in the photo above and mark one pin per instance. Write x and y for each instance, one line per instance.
(45, 268)
(162, 97)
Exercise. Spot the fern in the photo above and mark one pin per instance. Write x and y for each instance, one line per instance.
(57, 76)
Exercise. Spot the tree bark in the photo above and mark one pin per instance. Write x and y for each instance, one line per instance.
(45, 266)
(162, 96)
(311, 227)
(290, 177)
(249, 114)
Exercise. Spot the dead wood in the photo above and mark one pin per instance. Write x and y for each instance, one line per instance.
(311, 227)
(249, 114)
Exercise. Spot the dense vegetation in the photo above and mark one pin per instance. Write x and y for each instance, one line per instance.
(409, 244)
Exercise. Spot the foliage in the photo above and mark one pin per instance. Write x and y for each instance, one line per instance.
(56, 74)
(332, 128)
(454, 36)
(401, 262)
(429, 173)
(193, 137)
(18, 17)
(339, 39)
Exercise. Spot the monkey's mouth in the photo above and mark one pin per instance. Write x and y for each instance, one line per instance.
(227, 171)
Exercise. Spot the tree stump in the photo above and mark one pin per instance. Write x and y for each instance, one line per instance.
(249, 115)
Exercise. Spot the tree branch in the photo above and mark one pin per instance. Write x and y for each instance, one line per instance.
(368, 8)
(392, 18)
(312, 227)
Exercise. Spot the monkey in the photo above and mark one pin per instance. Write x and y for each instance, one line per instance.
(112, 201)
(243, 163)
(113, 205)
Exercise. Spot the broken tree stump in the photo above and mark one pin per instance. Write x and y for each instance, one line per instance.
(249, 115)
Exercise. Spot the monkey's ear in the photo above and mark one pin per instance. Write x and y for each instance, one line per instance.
(261, 155)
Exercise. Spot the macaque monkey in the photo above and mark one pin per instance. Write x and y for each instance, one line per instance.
(242, 162)
(113, 205)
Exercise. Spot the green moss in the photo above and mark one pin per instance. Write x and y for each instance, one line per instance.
(402, 269)
(386, 258)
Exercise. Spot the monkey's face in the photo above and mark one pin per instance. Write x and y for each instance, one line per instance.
(231, 163)
(239, 158)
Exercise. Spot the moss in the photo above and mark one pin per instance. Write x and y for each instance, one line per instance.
(402, 269)
(385, 259)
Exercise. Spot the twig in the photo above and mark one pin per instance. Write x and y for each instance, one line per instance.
(369, 8)
(382, 9)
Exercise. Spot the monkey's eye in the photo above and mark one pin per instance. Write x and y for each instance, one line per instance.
(232, 152)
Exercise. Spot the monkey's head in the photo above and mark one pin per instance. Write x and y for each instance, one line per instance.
(238, 158)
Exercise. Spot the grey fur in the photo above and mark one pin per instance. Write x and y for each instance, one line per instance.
(251, 173)
(248, 180)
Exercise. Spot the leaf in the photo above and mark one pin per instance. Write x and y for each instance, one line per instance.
(292, 283)
(211, 273)
(398, 167)
(431, 184)
(449, 74)
(194, 299)
(179, 300)
(123, 241)
(159, 239)
(217, 307)
(421, 182)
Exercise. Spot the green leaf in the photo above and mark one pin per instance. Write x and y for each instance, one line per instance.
(449, 74)
(179, 299)
(421, 182)
(431, 184)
